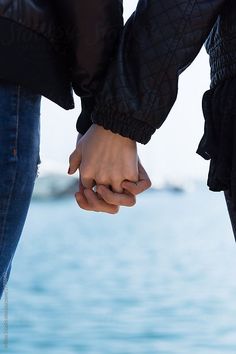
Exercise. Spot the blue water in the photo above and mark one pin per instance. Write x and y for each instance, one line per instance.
(156, 278)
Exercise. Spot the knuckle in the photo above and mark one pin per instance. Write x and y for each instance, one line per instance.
(116, 182)
(104, 183)
(116, 178)
(85, 173)
(100, 179)
(132, 177)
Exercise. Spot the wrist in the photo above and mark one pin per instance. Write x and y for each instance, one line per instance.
(108, 134)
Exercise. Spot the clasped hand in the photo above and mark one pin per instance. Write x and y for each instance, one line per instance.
(111, 174)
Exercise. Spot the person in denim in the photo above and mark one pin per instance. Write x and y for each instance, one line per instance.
(19, 161)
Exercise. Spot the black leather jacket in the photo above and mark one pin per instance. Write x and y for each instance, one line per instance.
(126, 75)
(159, 41)
(55, 47)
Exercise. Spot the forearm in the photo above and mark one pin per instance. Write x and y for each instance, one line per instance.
(159, 41)
(92, 29)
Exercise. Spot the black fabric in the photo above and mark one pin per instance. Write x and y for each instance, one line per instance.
(84, 122)
(159, 41)
(29, 59)
(138, 64)
(55, 46)
(218, 143)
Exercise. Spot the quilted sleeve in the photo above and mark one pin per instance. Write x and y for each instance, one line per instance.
(158, 42)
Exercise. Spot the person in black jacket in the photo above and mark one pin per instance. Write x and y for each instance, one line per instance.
(48, 48)
(158, 42)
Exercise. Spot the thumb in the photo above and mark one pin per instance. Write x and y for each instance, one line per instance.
(74, 161)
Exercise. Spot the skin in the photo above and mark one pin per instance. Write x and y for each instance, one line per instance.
(114, 170)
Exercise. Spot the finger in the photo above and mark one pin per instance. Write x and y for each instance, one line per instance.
(74, 161)
(113, 184)
(143, 175)
(99, 205)
(82, 201)
(135, 188)
(87, 182)
(116, 198)
(116, 187)
(116, 183)
(97, 194)
(139, 187)
(81, 187)
(80, 197)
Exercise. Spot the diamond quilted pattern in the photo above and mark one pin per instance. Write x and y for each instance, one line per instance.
(159, 41)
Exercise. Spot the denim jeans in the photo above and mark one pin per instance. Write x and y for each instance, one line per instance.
(19, 160)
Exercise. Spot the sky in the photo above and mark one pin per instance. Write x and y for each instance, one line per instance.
(171, 152)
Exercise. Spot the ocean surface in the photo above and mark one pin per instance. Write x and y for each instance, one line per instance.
(158, 278)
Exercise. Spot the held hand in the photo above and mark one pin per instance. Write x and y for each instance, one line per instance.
(103, 157)
(93, 201)
(104, 200)
(131, 189)
(89, 200)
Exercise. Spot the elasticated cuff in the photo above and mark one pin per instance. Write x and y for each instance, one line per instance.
(122, 123)
(84, 121)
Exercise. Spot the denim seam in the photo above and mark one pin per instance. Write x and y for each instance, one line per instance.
(7, 208)
(14, 178)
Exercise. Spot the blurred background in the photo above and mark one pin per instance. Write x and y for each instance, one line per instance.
(155, 278)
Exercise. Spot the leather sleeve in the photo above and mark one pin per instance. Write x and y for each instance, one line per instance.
(159, 41)
(92, 29)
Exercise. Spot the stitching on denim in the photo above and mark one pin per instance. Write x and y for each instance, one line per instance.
(13, 181)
